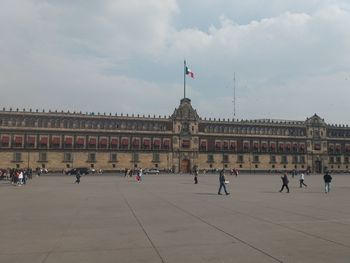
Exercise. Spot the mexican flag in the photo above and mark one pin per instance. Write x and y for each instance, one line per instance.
(189, 72)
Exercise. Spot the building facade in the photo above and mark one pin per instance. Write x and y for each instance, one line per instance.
(180, 142)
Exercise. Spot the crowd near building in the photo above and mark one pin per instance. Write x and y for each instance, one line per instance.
(113, 142)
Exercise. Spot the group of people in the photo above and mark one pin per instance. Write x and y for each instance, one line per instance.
(16, 176)
(20, 177)
(222, 181)
(234, 171)
(131, 172)
(285, 181)
(327, 178)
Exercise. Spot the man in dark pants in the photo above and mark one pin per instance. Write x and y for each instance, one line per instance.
(222, 182)
(301, 180)
(77, 176)
(327, 182)
(196, 176)
(285, 182)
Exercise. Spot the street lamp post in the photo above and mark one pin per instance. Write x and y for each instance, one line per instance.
(167, 161)
(223, 160)
(178, 156)
(250, 163)
(28, 159)
(72, 159)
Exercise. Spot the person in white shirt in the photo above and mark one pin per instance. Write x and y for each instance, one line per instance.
(139, 176)
(301, 180)
(20, 178)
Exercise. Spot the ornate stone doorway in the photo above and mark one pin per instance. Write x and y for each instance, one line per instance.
(318, 166)
(185, 166)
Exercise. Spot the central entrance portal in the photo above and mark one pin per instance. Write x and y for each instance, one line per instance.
(318, 167)
(185, 166)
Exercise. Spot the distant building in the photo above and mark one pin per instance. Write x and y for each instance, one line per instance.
(59, 140)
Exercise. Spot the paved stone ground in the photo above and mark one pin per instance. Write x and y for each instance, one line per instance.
(167, 218)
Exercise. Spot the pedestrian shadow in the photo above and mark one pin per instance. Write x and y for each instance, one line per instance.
(299, 192)
(206, 194)
(5, 184)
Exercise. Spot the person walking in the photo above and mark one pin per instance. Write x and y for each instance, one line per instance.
(140, 175)
(327, 182)
(222, 181)
(285, 182)
(235, 171)
(301, 180)
(196, 176)
(20, 178)
(77, 176)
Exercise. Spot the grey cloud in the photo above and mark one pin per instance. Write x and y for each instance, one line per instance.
(289, 56)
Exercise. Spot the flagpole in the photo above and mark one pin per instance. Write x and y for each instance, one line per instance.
(184, 78)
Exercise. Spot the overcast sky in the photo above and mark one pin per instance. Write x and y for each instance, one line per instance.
(291, 57)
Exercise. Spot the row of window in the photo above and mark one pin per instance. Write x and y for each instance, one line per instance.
(68, 157)
(254, 146)
(86, 124)
(255, 130)
(338, 148)
(256, 159)
(338, 133)
(83, 142)
(338, 159)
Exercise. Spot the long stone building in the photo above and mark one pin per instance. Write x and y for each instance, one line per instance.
(59, 140)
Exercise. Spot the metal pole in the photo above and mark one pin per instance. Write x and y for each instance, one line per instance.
(234, 95)
(223, 163)
(250, 164)
(184, 78)
(167, 162)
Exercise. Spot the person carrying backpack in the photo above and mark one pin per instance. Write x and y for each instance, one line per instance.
(327, 182)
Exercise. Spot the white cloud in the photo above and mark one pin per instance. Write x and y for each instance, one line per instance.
(280, 59)
(99, 56)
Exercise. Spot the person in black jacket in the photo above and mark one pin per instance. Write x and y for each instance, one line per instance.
(327, 182)
(222, 182)
(77, 176)
(196, 176)
(285, 182)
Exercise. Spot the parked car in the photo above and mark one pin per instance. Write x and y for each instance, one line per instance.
(151, 171)
(81, 170)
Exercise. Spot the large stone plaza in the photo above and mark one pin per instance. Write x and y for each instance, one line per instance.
(167, 218)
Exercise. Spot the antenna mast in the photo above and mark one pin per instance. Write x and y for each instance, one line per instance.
(234, 95)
